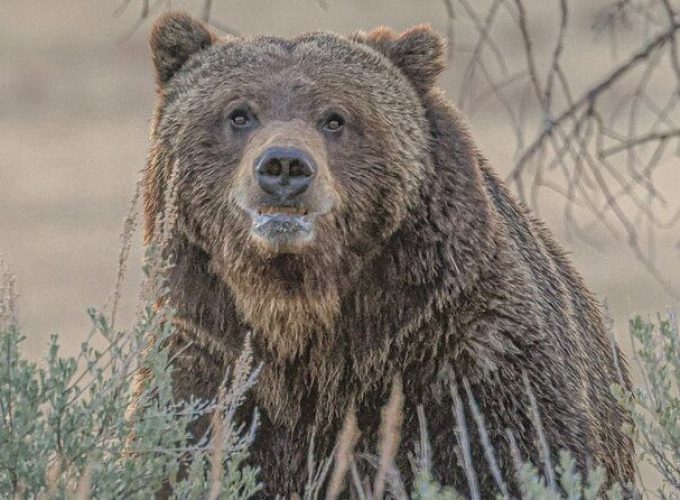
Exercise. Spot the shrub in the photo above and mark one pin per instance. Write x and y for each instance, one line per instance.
(67, 431)
(67, 428)
(655, 404)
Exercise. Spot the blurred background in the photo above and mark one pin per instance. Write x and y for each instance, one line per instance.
(77, 92)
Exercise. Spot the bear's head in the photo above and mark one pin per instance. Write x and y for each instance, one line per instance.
(293, 160)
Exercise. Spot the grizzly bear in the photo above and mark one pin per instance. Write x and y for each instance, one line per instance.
(329, 200)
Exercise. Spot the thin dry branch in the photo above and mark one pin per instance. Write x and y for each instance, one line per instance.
(463, 448)
(549, 471)
(600, 147)
(343, 456)
(489, 452)
(588, 98)
(390, 435)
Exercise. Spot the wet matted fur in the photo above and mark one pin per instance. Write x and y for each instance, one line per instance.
(422, 264)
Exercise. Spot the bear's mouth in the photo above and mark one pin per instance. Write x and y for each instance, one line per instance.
(283, 228)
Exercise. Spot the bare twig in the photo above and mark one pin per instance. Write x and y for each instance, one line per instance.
(207, 8)
(129, 226)
(217, 448)
(343, 455)
(486, 442)
(543, 441)
(450, 18)
(390, 435)
(463, 448)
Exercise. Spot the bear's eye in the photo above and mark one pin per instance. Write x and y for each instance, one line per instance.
(333, 123)
(240, 118)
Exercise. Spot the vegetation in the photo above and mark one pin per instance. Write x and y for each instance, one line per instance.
(68, 429)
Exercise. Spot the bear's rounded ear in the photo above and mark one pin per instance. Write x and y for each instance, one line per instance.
(418, 52)
(174, 37)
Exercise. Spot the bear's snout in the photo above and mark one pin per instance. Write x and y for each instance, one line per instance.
(284, 173)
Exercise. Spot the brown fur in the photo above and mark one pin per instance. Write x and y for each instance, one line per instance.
(421, 266)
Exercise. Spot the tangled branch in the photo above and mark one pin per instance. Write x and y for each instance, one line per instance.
(598, 146)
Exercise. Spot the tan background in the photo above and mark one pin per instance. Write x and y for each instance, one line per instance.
(75, 102)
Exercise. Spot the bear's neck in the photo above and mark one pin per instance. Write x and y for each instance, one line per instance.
(283, 316)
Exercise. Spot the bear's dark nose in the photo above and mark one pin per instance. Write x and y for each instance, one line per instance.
(284, 172)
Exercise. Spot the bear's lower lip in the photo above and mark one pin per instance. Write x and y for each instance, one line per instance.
(281, 227)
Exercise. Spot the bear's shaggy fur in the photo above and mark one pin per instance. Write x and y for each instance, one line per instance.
(420, 264)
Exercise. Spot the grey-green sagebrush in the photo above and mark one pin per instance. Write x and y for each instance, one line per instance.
(66, 431)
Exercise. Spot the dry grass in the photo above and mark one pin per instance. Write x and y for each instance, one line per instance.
(390, 436)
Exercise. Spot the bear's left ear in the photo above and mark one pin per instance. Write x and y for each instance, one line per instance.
(418, 52)
(174, 38)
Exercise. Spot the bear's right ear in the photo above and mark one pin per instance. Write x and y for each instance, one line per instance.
(174, 38)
